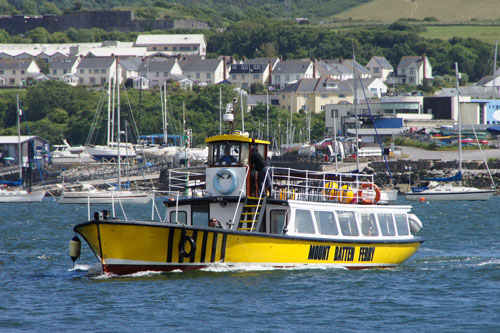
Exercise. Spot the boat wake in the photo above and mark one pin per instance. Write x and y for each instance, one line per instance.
(222, 268)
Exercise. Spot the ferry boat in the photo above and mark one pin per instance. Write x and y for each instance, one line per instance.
(307, 218)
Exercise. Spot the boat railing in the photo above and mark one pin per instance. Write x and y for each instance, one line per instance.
(169, 196)
(305, 185)
(188, 181)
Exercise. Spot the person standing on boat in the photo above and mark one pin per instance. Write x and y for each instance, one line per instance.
(259, 164)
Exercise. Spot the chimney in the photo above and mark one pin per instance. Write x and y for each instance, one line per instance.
(341, 60)
(270, 64)
(423, 59)
(281, 58)
(314, 67)
(224, 73)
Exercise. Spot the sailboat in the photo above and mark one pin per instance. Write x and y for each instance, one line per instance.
(19, 194)
(448, 191)
(88, 194)
(111, 151)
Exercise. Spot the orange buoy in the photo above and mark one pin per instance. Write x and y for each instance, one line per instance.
(422, 199)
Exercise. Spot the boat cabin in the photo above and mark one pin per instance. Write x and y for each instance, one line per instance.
(229, 168)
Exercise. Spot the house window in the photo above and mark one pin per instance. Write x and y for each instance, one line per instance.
(412, 71)
(287, 77)
(96, 70)
(335, 113)
(12, 81)
(376, 70)
(411, 80)
(233, 76)
(103, 70)
(81, 80)
(324, 95)
(90, 71)
(244, 85)
(277, 78)
(1, 71)
(22, 72)
(157, 74)
(322, 108)
(65, 71)
(103, 82)
(154, 48)
(14, 72)
(208, 76)
(341, 96)
(243, 76)
(184, 48)
(54, 72)
(297, 77)
(92, 80)
(198, 75)
(256, 76)
(165, 48)
(82, 71)
(165, 74)
(175, 48)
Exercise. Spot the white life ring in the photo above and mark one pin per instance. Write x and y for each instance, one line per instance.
(230, 175)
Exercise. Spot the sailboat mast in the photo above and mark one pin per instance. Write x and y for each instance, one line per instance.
(19, 150)
(494, 70)
(108, 138)
(165, 116)
(356, 108)
(119, 125)
(459, 123)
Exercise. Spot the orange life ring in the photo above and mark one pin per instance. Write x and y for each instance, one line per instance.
(373, 187)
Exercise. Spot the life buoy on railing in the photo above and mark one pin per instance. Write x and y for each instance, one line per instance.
(368, 201)
(225, 174)
(182, 246)
(330, 191)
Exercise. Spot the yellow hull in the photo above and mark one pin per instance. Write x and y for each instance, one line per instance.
(128, 247)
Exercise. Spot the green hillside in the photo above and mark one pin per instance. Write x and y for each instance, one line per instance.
(445, 11)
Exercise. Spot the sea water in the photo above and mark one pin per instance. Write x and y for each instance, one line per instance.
(452, 284)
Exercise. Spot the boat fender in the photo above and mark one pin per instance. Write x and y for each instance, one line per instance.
(182, 246)
(374, 188)
(346, 194)
(220, 175)
(75, 246)
(330, 191)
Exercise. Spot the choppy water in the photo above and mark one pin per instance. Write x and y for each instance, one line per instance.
(452, 284)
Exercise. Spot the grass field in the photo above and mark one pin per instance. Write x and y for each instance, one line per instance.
(445, 11)
(488, 34)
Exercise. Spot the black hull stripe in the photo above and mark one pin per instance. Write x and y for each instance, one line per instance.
(183, 234)
(170, 244)
(214, 247)
(204, 246)
(223, 248)
(195, 234)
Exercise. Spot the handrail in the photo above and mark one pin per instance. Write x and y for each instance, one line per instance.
(262, 192)
(243, 187)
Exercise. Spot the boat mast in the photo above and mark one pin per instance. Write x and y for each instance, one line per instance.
(165, 115)
(220, 110)
(118, 123)
(494, 70)
(108, 138)
(457, 76)
(355, 107)
(19, 150)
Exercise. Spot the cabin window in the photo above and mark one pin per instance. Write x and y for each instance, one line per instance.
(326, 223)
(199, 215)
(227, 153)
(277, 221)
(181, 217)
(386, 224)
(368, 224)
(347, 223)
(303, 222)
(402, 224)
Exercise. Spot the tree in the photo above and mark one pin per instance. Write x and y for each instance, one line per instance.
(38, 35)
